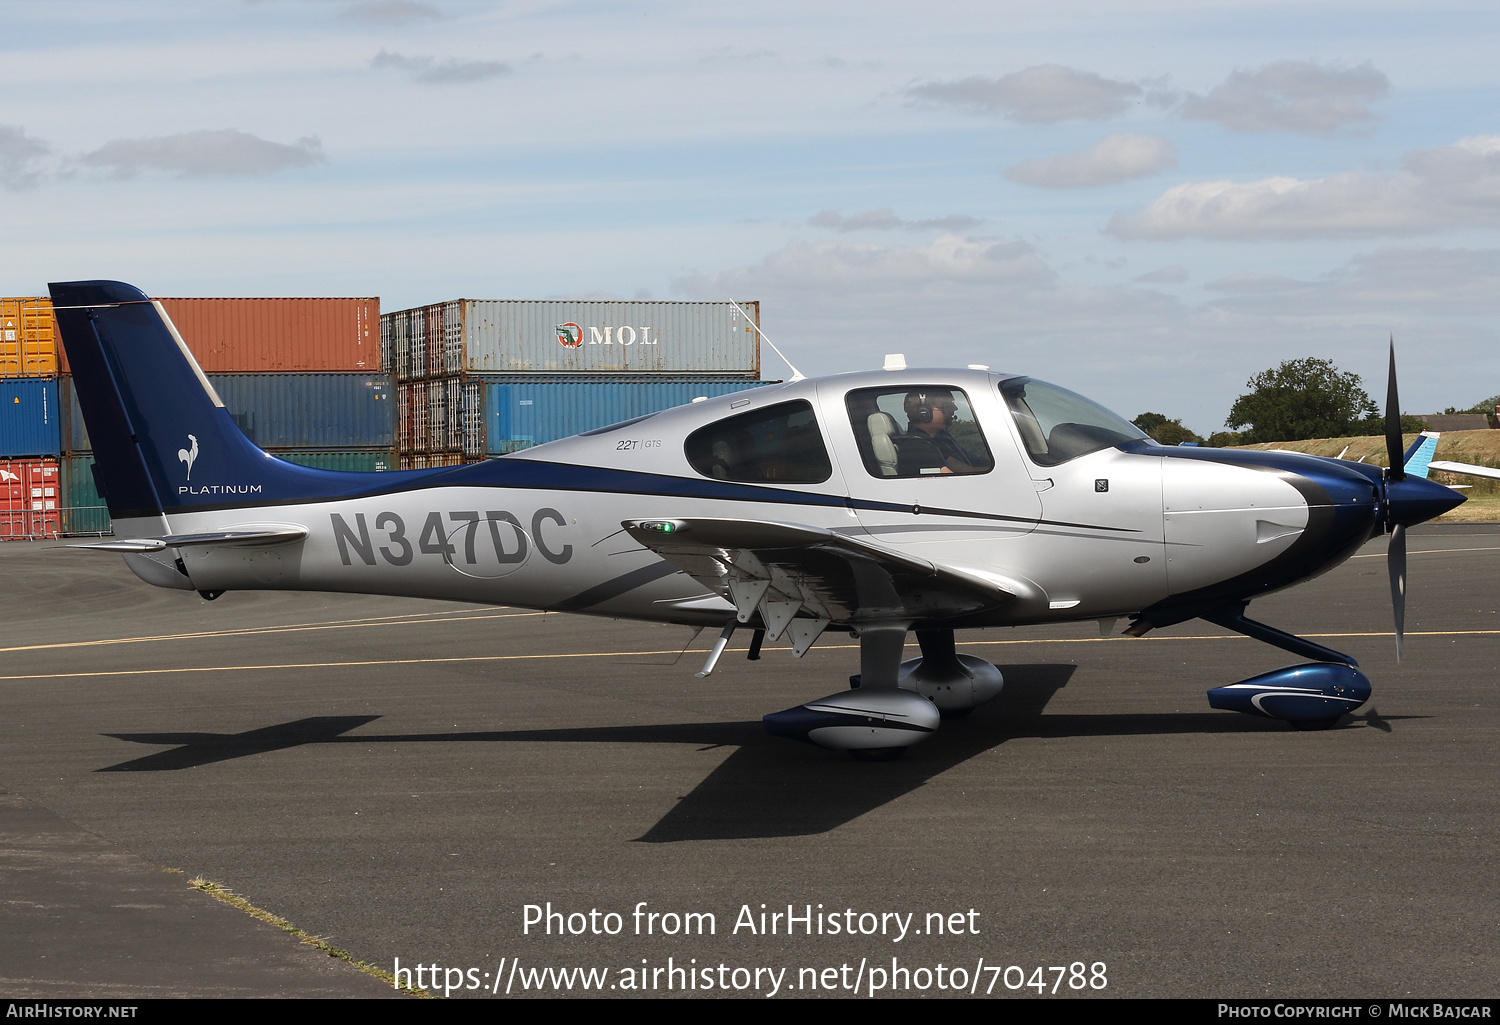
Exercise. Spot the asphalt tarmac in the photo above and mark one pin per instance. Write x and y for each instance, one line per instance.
(403, 779)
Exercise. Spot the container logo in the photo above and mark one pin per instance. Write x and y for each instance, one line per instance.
(6, 475)
(188, 455)
(571, 335)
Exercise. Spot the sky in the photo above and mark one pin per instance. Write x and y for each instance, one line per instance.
(1147, 203)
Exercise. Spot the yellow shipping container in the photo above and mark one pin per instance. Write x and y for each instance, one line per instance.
(27, 338)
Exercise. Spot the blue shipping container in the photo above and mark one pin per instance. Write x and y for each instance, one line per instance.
(523, 411)
(297, 411)
(29, 418)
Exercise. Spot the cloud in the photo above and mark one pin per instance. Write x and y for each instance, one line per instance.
(886, 220)
(1452, 186)
(1115, 158)
(1043, 94)
(205, 154)
(18, 155)
(868, 267)
(1401, 281)
(390, 12)
(733, 54)
(450, 72)
(1250, 283)
(1291, 96)
(1173, 275)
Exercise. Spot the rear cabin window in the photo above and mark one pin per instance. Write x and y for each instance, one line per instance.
(777, 444)
(923, 431)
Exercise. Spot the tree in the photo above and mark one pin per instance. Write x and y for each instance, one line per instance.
(1168, 432)
(1302, 398)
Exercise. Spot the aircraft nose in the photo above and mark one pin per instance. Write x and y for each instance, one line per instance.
(1413, 500)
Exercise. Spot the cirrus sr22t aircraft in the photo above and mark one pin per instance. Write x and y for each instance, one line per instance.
(870, 503)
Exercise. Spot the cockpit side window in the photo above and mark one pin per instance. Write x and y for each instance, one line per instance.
(921, 431)
(777, 444)
(1056, 425)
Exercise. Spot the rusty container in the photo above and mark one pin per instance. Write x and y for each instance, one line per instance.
(30, 499)
(257, 336)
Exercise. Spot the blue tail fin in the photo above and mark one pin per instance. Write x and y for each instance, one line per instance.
(1420, 454)
(163, 441)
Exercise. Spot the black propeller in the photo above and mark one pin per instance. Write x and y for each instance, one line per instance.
(1395, 473)
(1408, 500)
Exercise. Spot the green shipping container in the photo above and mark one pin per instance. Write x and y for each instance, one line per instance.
(364, 460)
(83, 511)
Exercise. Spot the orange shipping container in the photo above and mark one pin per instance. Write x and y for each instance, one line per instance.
(27, 346)
(258, 336)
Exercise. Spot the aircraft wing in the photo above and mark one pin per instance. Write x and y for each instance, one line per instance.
(1466, 468)
(805, 578)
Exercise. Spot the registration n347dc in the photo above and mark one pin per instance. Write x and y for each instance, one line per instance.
(873, 503)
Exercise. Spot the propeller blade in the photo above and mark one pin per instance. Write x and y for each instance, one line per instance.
(1393, 445)
(1396, 563)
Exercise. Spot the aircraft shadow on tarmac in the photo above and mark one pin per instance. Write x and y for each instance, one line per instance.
(766, 787)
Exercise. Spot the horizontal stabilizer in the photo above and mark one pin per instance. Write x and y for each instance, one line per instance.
(234, 538)
(1465, 468)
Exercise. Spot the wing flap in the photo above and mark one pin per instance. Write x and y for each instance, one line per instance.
(791, 573)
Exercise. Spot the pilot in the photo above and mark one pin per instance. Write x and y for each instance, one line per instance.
(927, 447)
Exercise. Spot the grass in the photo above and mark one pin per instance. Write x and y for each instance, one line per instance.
(234, 900)
(1481, 448)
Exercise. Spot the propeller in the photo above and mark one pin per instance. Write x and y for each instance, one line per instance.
(1393, 443)
(1407, 499)
(1396, 563)
(1395, 472)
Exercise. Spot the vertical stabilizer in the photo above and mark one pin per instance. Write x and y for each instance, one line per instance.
(1420, 454)
(163, 441)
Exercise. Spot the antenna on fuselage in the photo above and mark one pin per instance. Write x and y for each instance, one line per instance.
(797, 375)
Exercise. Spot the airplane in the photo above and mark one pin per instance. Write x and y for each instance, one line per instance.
(874, 504)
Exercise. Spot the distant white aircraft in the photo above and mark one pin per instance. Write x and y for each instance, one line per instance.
(874, 503)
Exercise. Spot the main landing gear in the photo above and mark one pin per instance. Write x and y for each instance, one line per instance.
(892, 704)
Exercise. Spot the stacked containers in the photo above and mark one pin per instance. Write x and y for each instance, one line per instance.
(30, 498)
(300, 377)
(478, 378)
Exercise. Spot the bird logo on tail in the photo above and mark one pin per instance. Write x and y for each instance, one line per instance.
(187, 455)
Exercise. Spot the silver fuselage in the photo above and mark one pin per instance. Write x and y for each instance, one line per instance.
(1105, 534)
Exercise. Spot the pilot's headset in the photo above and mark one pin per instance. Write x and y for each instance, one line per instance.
(918, 408)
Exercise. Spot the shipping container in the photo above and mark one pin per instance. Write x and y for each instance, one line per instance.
(433, 462)
(362, 460)
(248, 336)
(29, 499)
(29, 417)
(83, 509)
(300, 411)
(532, 337)
(27, 338)
(521, 411)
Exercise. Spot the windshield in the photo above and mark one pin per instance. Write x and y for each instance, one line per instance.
(1057, 425)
